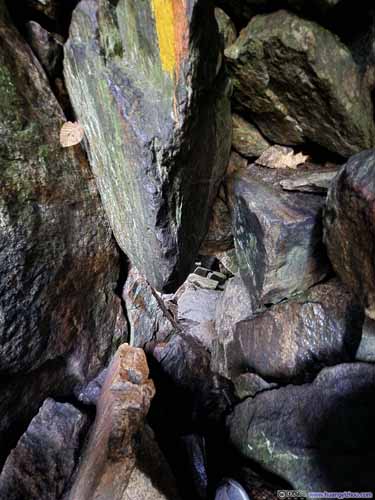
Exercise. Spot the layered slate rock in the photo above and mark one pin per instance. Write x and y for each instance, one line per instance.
(43, 461)
(284, 77)
(350, 227)
(319, 436)
(157, 122)
(247, 140)
(278, 235)
(108, 459)
(58, 262)
(294, 340)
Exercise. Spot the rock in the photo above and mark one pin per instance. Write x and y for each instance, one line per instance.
(281, 157)
(349, 226)
(314, 182)
(229, 261)
(318, 436)
(90, 393)
(168, 114)
(49, 8)
(58, 261)
(283, 76)
(234, 306)
(196, 313)
(43, 461)
(202, 282)
(247, 140)
(195, 452)
(294, 340)
(278, 235)
(238, 10)
(366, 348)
(217, 276)
(148, 317)
(48, 47)
(250, 384)
(227, 29)
(108, 460)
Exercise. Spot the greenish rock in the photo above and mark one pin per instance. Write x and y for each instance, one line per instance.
(145, 82)
(318, 436)
(227, 29)
(300, 84)
(247, 140)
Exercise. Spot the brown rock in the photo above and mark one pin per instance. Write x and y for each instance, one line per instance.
(247, 139)
(227, 29)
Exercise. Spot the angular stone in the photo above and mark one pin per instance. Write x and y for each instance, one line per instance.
(158, 94)
(293, 341)
(227, 29)
(48, 47)
(108, 459)
(247, 140)
(318, 436)
(202, 282)
(283, 76)
(366, 348)
(314, 182)
(43, 461)
(58, 261)
(278, 235)
(250, 384)
(349, 224)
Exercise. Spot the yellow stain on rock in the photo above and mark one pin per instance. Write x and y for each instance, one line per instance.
(165, 17)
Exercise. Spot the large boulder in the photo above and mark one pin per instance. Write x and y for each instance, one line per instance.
(157, 122)
(299, 84)
(350, 227)
(318, 436)
(294, 340)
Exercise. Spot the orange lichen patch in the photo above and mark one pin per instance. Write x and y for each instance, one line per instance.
(172, 31)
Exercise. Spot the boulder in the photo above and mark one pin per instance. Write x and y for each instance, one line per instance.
(247, 140)
(318, 436)
(366, 348)
(277, 234)
(227, 29)
(158, 93)
(284, 79)
(349, 227)
(42, 463)
(294, 340)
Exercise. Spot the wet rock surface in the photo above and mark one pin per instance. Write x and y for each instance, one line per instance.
(164, 104)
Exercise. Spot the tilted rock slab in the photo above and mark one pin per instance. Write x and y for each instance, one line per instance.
(143, 80)
(318, 436)
(349, 224)
(300, 84)
(109, 458)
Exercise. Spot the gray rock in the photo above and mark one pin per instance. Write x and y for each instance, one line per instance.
(227, 29)
(43, 461)
(48, 47)
(349, 224)
(202, 282)
(283, 76)
(318, 436)
(89, 394)
(250, 384)
(278, 235)
(314, 182)
(165, 107)
(292, 341)
(247, 140)
(366, 348)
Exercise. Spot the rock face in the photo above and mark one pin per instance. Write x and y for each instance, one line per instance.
(44, 459)
(109, 458)
(48, 47)
(350, 227)
(158, 95)
(319, 436)
(283, 76)
(278, 235)
(58, 264)
(295, 340)
(226, 27)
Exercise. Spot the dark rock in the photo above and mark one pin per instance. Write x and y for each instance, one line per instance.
(227, 29)
(283, 76)
(366, 348)
(48, 47)
(247, 140)
(318, 436)
(89, 394)
(349, 224)
(44, 459)
(250, 384)
(278, 235)
(164, 104)
(58, 262)
(195, 451)
(314, 182)
(49, 8)
(294, 340)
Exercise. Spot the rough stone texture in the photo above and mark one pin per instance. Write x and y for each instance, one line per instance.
(49, 8)
(233, 307)
(226, 26)
(48, 47)
(108, 459)
(314, 182)
(294, 340)
(158, 95)
(148, 317)
(44, 459)
(284, 77)
(366, 348)
(319, 436)
(247, 140)
(250, 384)
(349, 224)
(278, 235)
